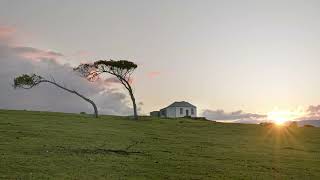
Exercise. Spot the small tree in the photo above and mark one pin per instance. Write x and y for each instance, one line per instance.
(121, 69)
(29, 81)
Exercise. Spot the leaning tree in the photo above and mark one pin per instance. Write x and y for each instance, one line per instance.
(26, 81)
(121, 69)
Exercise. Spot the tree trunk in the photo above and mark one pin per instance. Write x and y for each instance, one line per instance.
(76, 93)
(128, 87)
(89, 101)
(94, 107)
(135, 113)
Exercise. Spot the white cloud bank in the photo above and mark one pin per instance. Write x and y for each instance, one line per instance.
(236, 116)
(17, 60)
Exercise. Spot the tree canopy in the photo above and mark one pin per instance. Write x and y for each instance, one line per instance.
(121, 69)
(26, 81)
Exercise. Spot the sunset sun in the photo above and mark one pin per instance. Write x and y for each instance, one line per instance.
(280, 121)
(281, 117)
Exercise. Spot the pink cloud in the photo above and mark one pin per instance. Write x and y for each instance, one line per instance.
(83, 53)
(111, 80)
(131, 81)
(153, 74)
(110, 83)
(37, 54)
(8, 38)
(6, 32)
(114, 80)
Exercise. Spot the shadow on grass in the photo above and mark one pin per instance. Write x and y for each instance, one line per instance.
(96, 151)
(104, 151)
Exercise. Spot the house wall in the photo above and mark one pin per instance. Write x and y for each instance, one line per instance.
(174, 112)
(163, 113)
(184, 111)
(155, 113)
(171, 112)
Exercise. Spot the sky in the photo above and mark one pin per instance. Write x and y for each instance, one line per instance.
(233, 59)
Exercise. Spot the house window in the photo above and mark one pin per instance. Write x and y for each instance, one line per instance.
(192, 111)
(181, 110)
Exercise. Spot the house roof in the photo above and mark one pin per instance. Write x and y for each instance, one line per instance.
(181, 104)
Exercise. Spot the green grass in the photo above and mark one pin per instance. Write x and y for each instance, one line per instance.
(42, 145)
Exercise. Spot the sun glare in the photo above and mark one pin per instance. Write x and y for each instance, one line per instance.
(280, 121)
(281, 117)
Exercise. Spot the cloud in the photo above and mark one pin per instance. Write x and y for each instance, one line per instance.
(311, 113)
(82, 53)
(36, 54)
(111, 80)
(314, 111)
(153, 74)
(6, 32)
(81, 56)
(236, 116)
(19, 60)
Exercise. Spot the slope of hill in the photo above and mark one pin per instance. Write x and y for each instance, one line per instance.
(42, 145)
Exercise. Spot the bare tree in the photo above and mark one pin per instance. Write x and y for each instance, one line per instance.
(121, 69)
(29, 81)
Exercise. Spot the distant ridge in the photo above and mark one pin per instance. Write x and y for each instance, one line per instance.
(300, 123)
(309, 122)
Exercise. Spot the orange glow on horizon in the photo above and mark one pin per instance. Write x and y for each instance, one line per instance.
(281, 117)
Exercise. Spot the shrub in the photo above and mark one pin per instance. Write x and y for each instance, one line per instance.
(200, 118)
(308, 125)
(266, 124)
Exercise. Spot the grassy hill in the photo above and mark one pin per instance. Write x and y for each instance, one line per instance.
(42, 145)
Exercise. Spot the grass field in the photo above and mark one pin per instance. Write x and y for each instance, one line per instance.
(42, 145)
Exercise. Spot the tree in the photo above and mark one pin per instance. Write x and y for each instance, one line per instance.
(293, 124)
(26, 81)
(121, 69)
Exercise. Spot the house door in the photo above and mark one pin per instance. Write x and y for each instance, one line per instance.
(187, 112)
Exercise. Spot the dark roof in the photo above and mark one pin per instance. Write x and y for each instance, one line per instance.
(181, 104)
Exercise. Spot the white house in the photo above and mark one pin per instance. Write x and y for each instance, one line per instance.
(177, 109)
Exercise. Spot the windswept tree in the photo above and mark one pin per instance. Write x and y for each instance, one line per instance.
(121, 69)
(26, 81)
